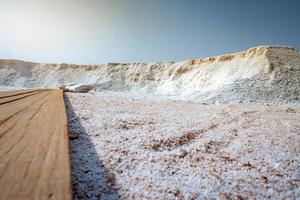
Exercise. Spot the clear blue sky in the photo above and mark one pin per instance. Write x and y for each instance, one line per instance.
(90, 31)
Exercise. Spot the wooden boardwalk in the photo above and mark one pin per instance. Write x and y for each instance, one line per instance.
(34, 152)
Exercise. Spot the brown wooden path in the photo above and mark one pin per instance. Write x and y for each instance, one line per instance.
(34, 152)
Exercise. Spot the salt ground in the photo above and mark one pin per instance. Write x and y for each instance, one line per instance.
(134, 147)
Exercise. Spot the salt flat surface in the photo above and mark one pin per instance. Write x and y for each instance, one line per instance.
(133, 147)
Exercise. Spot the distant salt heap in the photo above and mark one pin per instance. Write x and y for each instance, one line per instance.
(265, 74)
(77, 88)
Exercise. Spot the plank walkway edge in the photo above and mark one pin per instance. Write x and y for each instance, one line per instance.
(34, 145)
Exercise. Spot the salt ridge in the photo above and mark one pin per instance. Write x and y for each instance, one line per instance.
(262, 74)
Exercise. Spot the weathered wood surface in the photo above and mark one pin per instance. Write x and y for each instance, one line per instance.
(34, 154)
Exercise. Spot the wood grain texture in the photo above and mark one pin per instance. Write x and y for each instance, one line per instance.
(34, 152)
(5, 94)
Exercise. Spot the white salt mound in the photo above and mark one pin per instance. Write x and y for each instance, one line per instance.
(77, 88)
(264, 74)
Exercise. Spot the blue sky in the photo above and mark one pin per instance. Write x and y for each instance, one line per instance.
(91, 32)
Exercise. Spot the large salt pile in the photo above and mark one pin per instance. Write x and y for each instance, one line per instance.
(265, 74)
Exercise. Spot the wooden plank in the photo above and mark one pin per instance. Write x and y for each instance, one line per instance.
(11, 98)
(16, 107)
(34, 154)
(4, 94)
